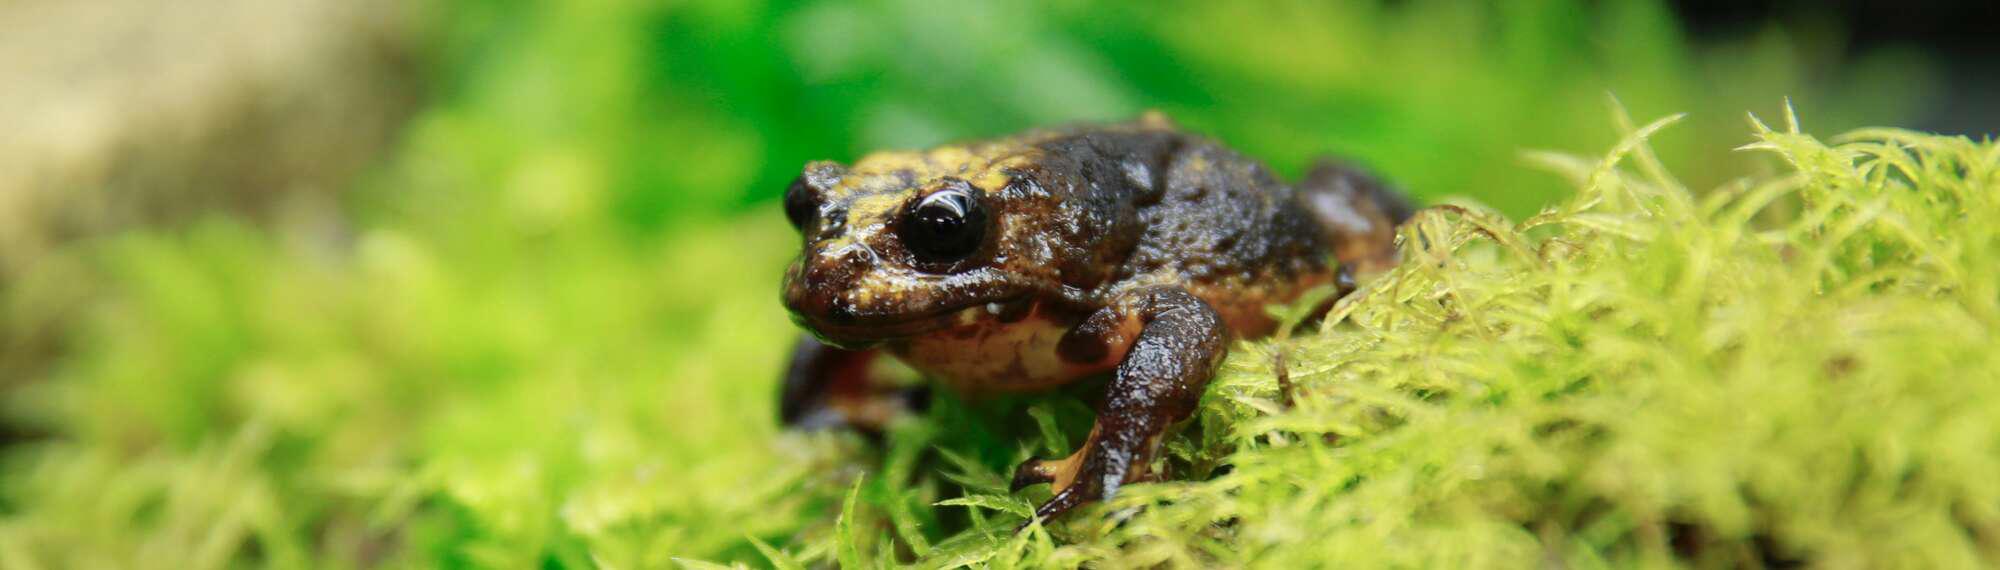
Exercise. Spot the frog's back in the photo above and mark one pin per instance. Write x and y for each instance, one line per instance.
(1216, 223)
(1228, 230)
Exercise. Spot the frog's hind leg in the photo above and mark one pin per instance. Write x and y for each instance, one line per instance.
(1357, 214)
(829, 387)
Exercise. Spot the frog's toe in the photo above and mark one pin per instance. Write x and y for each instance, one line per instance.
(1075, 480)
(1060, 473)
(1032, 472)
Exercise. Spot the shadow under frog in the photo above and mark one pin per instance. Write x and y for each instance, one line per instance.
(1029, 262)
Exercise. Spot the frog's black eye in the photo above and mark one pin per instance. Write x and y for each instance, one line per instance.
(946, 226)
(799, 205)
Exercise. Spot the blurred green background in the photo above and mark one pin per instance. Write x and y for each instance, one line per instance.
(691, 109)
(493, 282)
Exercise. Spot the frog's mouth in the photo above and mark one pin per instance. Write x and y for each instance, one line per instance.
(850, 308)
(863, 332)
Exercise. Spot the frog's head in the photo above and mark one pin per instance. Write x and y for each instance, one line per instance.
(907, 243)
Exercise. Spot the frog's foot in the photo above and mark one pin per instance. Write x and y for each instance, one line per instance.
(1058, 473)
(1180, 342)
(1062, 475)
(831, 388)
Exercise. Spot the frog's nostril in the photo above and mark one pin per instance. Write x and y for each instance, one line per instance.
(841, 260)
(857, 255)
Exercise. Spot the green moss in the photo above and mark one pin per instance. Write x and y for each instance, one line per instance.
(1797, 367)
(1791, 369)
(545, 331)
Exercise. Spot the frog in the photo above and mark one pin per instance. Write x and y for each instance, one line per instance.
(1133, 252)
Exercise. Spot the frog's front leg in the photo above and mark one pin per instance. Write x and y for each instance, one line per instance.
(832, 387)
(1171, 342)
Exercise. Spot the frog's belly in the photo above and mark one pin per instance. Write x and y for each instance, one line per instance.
(996, 357)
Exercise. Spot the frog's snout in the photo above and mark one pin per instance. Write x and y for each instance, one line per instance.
(817, 286)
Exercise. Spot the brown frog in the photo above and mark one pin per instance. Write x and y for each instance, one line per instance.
(1027, 262)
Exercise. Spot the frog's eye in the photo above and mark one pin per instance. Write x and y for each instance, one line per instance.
(799, 205)
(946, 226)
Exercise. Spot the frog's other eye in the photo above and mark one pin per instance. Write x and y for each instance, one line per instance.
(800, 207)
(946, 226)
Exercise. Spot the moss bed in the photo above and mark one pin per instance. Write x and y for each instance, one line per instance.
(1798, 368)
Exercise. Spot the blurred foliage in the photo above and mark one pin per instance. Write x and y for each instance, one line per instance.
(547, 332)
(688, 109)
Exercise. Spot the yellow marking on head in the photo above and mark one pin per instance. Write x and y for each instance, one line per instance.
(873, 208)
(885, 162)
(995, 175)
(951, 159)
(982, 164)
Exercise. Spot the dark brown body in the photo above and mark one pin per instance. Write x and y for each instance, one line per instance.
(1135, 249)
